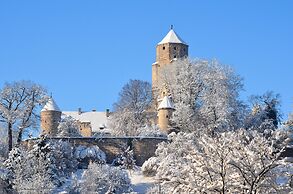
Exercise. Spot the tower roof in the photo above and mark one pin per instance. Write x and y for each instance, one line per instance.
(51, 105)
(166, 103)
(172, 37)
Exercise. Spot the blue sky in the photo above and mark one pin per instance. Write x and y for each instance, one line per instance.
(85, 51)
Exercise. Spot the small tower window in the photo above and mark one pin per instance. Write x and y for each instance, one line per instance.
(174, 56)
(163, 48)
(174, 47)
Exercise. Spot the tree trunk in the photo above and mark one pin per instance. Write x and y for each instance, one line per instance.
(9, 136)
(19, 136)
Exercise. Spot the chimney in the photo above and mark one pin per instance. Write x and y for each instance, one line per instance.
(79, 111)
(107, 112)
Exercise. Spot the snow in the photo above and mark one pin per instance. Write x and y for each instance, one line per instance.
(166, 103)
(51, 105)
(90, 152)
(97, 119)
(172, 37)
(140, 183)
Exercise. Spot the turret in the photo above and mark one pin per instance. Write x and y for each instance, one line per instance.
(50, 118)
(165, 111)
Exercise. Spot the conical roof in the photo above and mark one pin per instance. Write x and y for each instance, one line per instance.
(172, 37)
(166, 103)
(51, 106)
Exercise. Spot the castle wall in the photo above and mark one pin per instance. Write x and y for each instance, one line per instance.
(143, 148)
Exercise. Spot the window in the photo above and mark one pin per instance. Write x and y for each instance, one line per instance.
(184, 49)
(167, 116)
(174, 56)
(174, 47)
(163, 48)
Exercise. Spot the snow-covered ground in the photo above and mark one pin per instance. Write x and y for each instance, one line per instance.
(140, 183)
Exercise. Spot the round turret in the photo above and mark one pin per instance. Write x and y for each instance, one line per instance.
(50, 118)
(165, 111)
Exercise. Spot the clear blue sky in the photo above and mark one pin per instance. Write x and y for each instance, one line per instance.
(85, 51)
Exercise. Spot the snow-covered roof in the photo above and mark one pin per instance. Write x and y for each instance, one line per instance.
(172, 37)
(51, 105)
(166, 103)
(97, 119)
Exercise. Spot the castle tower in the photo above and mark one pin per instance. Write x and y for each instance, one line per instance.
(171, 48)
(50, 118)
(165, 111)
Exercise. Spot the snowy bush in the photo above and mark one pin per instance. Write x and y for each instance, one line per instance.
(151, 131)
(5, 188)
(105, 179)
(157, 189)
(150, 167)
(86, 154)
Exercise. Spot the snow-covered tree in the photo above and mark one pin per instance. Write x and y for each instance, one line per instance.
(231, 162)
(105, 179)
(265, 112)
(68, 127)
(205, 95)
(19, 102)
(131, 109)
(64, 157)
(33, 171)
(125, 159)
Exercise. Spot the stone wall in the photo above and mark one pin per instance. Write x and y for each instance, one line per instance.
(143, 148)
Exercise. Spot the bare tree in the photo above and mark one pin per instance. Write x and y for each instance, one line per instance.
(19, 102)
(130, 112)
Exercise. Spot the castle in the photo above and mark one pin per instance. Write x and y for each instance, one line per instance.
(171, 48)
